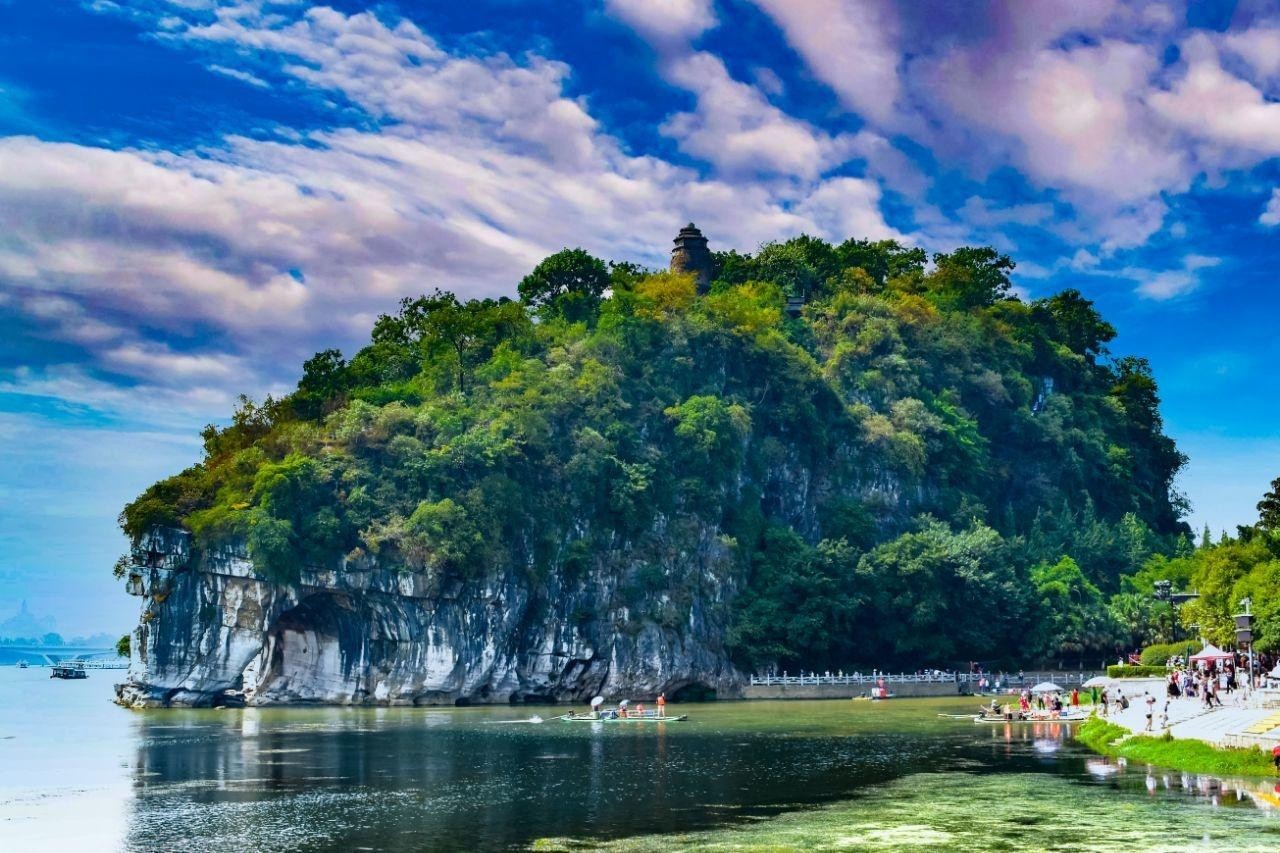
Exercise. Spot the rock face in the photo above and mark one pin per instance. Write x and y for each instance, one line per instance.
(212, 632)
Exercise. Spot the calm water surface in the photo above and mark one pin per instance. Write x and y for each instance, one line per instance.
(79, 773)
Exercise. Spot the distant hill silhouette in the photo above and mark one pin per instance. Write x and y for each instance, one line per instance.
(25, 624)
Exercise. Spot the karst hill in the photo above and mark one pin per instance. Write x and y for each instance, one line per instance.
(629, 481)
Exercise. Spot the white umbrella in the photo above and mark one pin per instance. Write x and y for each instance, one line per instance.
(1097, 681)
(1047, 687)
(597, 702)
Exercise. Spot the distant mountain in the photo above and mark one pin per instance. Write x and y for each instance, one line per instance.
(24, 623)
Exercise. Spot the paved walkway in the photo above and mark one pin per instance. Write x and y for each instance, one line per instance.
(1234, 724)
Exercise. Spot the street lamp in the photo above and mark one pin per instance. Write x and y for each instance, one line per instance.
(1164, 592)
(1244, 632)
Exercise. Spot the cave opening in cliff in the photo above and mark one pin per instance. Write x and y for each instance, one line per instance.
(694, 692)
(313, 646)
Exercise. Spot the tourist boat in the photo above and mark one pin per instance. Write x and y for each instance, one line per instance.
(68, 670)
(631, 717)
(22, 664)
(1033, 717)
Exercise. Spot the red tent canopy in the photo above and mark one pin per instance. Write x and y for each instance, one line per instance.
(1212, 652)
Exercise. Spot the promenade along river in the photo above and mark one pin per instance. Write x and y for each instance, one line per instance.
(79, 773)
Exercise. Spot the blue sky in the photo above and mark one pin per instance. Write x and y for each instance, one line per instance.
(195, 196)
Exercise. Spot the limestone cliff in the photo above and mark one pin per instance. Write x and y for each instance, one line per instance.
(212, 632)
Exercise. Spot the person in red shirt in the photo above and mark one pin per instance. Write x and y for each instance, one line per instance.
(662, 704)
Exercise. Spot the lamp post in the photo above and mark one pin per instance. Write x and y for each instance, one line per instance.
(1244, 632)
(1164, 592)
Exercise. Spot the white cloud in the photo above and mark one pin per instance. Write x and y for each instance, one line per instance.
(890, 165)
(738, 130)
(1083, 260)
(1163, 285)
(664, 22)
(1259, 46)
(396, 71)
(1077, 116)
(1210, 104)
(1271, 215)
(847, 206)
(238, 74)
(734, 127)
(852, 47)
(160, 364)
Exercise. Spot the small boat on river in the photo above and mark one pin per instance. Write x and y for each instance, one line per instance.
(1032, 717)
(631, 717)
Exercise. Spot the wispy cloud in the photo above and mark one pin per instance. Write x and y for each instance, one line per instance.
(241, 75)
(1167, 284)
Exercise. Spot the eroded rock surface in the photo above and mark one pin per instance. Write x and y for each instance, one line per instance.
(212, 632)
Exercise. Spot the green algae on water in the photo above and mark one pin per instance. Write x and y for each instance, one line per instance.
(988, 812)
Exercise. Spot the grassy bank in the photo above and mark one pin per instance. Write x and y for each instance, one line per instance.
(1193, 756)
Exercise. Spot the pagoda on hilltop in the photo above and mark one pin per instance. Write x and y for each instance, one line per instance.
(691, 255)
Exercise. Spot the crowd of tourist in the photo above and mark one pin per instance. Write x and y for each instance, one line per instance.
(1204, 682)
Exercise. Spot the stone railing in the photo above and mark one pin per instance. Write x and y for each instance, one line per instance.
(1028, 679)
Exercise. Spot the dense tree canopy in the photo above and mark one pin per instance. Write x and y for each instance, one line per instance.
(919, 468)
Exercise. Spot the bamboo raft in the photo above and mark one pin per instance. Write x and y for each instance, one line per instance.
(631, 717)
(1039, 717)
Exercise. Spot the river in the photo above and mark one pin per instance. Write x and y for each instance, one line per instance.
(77, 773)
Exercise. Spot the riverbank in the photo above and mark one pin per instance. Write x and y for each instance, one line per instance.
(1191, 756)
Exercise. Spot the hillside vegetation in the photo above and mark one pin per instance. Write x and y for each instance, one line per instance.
(919, 468)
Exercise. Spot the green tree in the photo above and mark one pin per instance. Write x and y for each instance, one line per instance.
(1141, 620)
(568, 284)
(1072, 616)
(123, 646)
(324, 380)
(971, 277)
(1078, 324)
(799, 604)
(801, 266)
(882, 259)
(1269, 509)
(939, 596)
